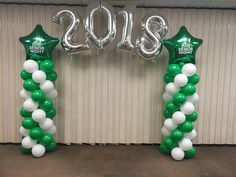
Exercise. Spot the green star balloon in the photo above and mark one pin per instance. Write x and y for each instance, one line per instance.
(182, 47)
(38, 44)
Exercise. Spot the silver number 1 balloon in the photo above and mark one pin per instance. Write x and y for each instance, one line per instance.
(69, 46)
(154, 28)
(127, 13)
(89, 24)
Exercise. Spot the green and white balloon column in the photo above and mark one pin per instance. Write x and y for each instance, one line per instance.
(37, 93)
(180, 96)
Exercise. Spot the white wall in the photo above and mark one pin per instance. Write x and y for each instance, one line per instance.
(114, 97)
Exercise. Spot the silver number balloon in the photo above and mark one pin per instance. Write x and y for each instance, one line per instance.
(67, 40)
(154, 28)
(89, 24)
(127, 14)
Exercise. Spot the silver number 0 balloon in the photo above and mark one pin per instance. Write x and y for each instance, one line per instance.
(69, 46)
(127, 13)
(154, 28)
(89, 24)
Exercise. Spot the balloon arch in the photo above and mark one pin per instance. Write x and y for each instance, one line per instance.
(180, 92)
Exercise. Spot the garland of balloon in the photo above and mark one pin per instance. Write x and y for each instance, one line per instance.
(38, 90)
(180, 96)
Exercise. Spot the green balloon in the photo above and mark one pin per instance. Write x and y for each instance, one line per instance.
(25, 113)
(167, 78)
(38, 95)
(52, 146)
(30, 85)
(164, 149)
(51, 113)
(173, 70)
(192, 117)
(25, 75)
(167, 114)
(190, 153)
(181, 64)
(176, 135)
(25, 151)
(171, 107)
(47, 104)
(36, 133)
(169, 143)
(194, 79)
(47, 66)
(46, 139)
(182, 47)
(186, 126)
(179, 98)
(38, 44)
(29, 123)
(52, 76)
(188, 89)
(39, 62)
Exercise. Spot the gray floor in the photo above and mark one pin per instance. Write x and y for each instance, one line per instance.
(117, 161)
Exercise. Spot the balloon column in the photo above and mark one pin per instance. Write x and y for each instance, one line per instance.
(38, 90)
(180, 96)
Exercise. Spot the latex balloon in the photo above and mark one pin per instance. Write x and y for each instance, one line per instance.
(193, 79)
(176, 135)
(52, 93)
(191, 135)
(38, 43)
(47, 86)
(180, 80)
(182, 47)
(38, 95)
(171, 89)
(24, 132)
(169, 143)
(169, 124)
(192, 117)
(30, 105)
(52, 130)
(193, 98)
(36, 133)
(178, 117)
(165, 132)
(25, 151)
(164, 149)
(46, 139)
(51, 113)
(177, 154)
(171, 107)
(127, 14)
(188, 89)
(39, 76)
(28, 142)
(47, 104)
(173, 70)
(154, 27)
(25, 75)
(179, 98)
(29, 123)
(38, 150)
(185, 144)
(47, 66)
(189, 69)
(91, 10)
(167, 97)
(186, 126)
(25, 113)
(30, 66)
(51, 147)
(67, 39)
(25, 94)
(38, 115)
(52, 76)
(187, 108)
(167, 78)
(30, 85)
(190, 153)
(167, 114)
(46, 124)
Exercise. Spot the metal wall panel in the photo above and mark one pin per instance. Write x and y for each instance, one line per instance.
(115, 97)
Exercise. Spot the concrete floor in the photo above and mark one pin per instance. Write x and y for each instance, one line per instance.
(117, 161)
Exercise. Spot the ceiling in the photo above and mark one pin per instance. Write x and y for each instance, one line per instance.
(157, 3)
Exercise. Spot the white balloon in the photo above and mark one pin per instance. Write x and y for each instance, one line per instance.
(180, 80)
(47, 86)
(46, 124)
(169, 124)
(52, 94)
(187, 108)
(38, 115)
(178, 117)
(39, 76)
(185, 144)
(24, 132)
(52, 130)
(28, 142)
(177, 153)
(191, 135)
(30, 105)
(30, 66)
(189, 69)
(193, 98)
(25, 94)
(38, 150)
(171, 89)
(165, 132)
(167, 97)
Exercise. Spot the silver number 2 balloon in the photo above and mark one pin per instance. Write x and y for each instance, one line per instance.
(89, 24)
(69, 46)
(127, 14)
(154, 28)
